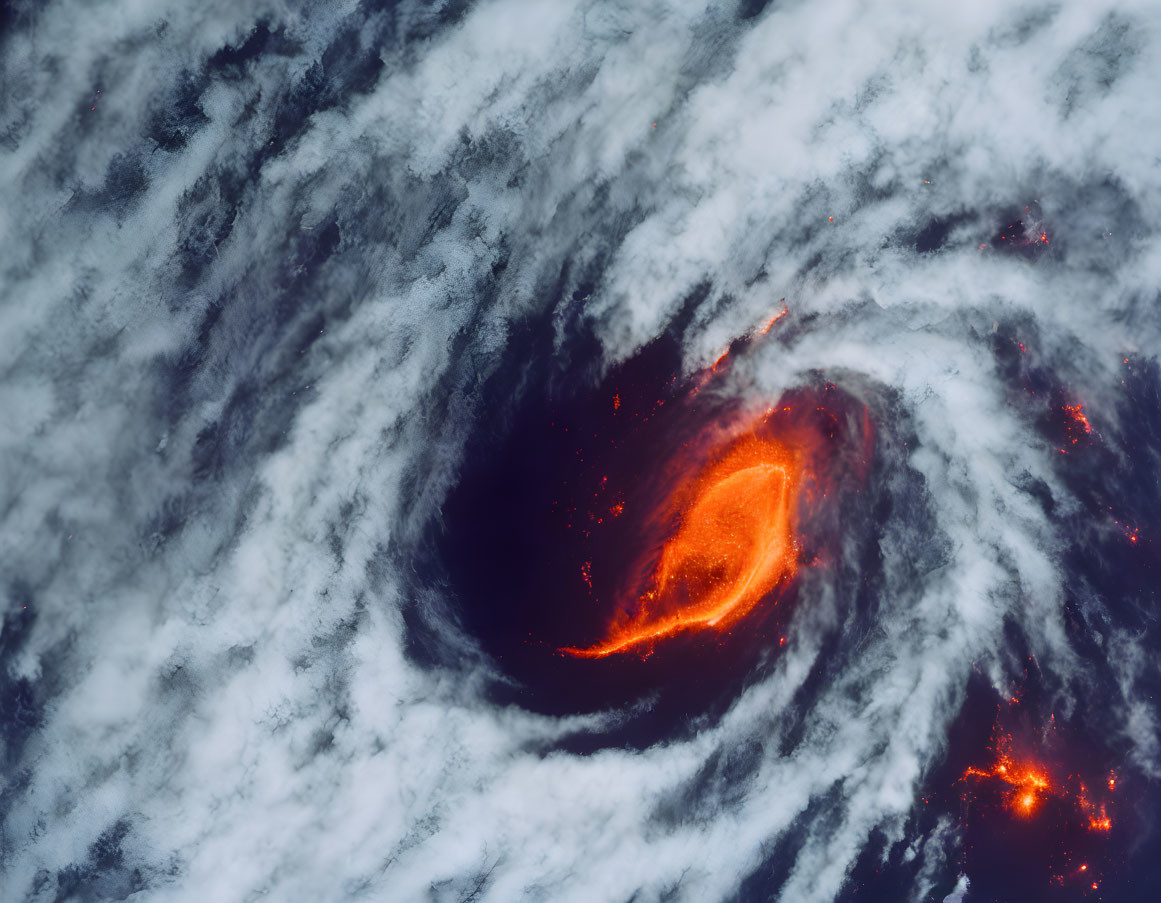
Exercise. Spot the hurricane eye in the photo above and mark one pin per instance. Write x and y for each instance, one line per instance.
(733, 544)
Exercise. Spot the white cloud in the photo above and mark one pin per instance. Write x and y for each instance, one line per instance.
(212, 518)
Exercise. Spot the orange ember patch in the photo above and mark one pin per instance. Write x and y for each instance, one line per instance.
(1103, 823)
(733, 545)
(1028, 782)
(1076, 412)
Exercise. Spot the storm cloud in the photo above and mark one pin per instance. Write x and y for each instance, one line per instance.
(274, 274)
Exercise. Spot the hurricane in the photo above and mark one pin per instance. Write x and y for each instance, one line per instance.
(580, 450)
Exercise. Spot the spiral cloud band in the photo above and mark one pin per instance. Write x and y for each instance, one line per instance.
(279, 280)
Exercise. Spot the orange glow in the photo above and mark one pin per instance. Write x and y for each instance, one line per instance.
(1098, 816)
(1027, 780)
(734, 543)
(774, 319)
(1076, 412)
(1029, 783)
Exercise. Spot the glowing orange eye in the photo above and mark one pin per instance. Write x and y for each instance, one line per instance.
(734, 543)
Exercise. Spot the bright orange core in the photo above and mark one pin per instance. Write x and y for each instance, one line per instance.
(733, 544)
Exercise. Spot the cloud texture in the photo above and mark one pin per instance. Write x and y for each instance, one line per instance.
(261, 264)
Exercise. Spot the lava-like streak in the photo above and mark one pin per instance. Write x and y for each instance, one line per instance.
(733, 544)
(769, 324)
